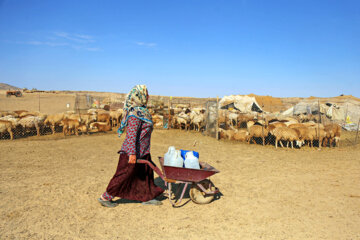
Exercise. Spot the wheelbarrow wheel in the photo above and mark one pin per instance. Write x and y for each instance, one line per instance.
(198, 196)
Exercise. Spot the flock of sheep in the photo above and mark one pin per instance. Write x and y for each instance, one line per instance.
(233, 125)
(181, 117)
(300, 130)
(22, 122)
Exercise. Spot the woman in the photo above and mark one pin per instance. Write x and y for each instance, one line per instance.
(131, 180)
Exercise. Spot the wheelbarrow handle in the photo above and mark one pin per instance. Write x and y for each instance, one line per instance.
(153, 167)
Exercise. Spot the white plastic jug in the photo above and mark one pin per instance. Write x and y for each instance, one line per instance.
(191, 161)
(173, 158)
(170, 153)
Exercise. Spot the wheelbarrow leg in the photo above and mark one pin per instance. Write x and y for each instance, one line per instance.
(176, 203)
(183, 192)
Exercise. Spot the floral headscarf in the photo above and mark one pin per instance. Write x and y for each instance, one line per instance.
(136, 106)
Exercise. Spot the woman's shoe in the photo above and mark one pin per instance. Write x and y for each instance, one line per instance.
(152, 202)
(109, 204)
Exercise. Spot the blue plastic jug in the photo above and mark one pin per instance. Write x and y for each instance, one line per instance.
(183, 153)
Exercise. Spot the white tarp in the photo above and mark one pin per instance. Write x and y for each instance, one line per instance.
(335, 112)
(332, 111)
(244, 104)
(304, 108)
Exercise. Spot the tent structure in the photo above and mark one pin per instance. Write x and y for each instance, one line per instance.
(305, 108)
(244, 104)
(331, 110)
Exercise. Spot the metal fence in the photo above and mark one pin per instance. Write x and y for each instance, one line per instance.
(325, 122)
(221, 123)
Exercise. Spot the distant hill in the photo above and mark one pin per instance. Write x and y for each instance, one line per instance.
(4, 86)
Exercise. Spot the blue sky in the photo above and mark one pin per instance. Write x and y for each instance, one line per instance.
(283, 48)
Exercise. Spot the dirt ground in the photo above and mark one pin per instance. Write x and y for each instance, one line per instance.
(48, 103)
(49, 186)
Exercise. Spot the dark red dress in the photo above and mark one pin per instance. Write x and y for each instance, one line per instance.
(134, 181)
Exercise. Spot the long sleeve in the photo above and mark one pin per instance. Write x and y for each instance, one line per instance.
(129, 145)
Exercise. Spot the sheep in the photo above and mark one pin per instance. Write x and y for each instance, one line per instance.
(314, 133)
(198, 110)
(73, 116)
(6, 126)
(288, 121)
(83, 128)
(87, 118)
(101, 126)
(32, 122)
(313, 124)
(304, 118)
(198, 122)
(53, 120)
(184, 118)
(309, 123)
(296, 125)
(179, 121)
(18, 112)
(158, 120)
(25, 114)
(103, 117)
(70, 125)
(257, 131)
(286, 134)
(240, 135)
(228, 134)
(274, 125)
(115, 116)
(177, 110)
(271, 127)
(232, 119)
(332, 134)
(196, 119)
(12, 119)
(223, 133)
(242, 119)
(249, 124)
(92, 111)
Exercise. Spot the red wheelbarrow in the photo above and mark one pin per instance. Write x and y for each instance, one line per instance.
(202, 190)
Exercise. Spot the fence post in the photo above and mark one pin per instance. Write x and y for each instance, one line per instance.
(262, 125)
(39, 101)
(169, 117)
(319, 120)
(357, 132)
(346, 113)
(217, 118)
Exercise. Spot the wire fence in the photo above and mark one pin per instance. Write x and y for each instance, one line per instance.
(314, 123)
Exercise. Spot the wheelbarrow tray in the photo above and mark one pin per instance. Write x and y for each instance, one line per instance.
(188, 174)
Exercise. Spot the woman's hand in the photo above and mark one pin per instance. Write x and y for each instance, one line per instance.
(132, 159)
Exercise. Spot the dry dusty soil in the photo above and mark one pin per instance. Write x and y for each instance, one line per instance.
(49, 186)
